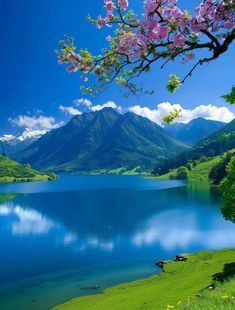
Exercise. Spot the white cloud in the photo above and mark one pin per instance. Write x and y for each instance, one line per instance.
(69, 110)
(108, 104)
(27, 221)
(86, 105)
(209, 111)
(70, 238)
(83, 101)
(183, 230)
(101, 244)
(35, 122)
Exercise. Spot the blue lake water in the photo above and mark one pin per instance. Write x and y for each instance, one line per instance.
(60, 238)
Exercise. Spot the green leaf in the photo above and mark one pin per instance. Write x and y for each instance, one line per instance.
(173, 84)
(172, 116)
(230, 98)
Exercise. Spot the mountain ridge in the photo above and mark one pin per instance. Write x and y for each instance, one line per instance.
(11, 144)
(103, 139)
(195, 130)
(212, 145)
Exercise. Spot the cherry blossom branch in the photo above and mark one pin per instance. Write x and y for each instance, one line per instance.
(163, 32)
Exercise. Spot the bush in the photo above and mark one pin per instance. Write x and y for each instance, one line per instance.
(189, 166)
(27, 166)
(219, 171)
(182, 173)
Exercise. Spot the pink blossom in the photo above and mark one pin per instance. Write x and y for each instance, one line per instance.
(72, 69)
(160, 31)
(123, 4)
(179, 40)
(109, 6)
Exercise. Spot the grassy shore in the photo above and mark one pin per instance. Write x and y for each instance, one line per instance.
(194, 284)
(35, 178)
(11, 171)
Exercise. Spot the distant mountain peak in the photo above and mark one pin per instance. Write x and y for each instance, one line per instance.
(204, 120)
(106, 110)
(23, 135)
(10, 144)
(6, 138)
(195, 130)
(28, 133)
(214, 144)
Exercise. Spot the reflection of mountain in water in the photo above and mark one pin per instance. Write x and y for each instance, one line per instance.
(47, 232)
(6, 197)
(105, 214)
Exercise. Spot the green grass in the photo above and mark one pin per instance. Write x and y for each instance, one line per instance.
(120, 171)
(222, 297)
(117, 171)
(177, 287)
(202, 170)
(11, 171)
(199, 172)
(134, 171)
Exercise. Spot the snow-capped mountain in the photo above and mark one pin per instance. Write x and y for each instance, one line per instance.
(11, 144)
(29, 134)
(6, 138)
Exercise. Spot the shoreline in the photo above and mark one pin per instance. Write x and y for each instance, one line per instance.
(199, 269)
(42, 178)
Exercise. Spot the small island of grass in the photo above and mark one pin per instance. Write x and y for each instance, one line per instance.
(11, 171)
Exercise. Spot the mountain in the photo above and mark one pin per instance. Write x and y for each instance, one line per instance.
(215, 144)
(11, 144)
(102, 140)
(194, 131)
(11, 171)
(25, 135)
(30, 135)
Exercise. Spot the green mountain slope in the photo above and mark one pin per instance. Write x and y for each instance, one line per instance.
(194, 131)
(211, 169)
(213, 145)
(11, 171)
(100, 140)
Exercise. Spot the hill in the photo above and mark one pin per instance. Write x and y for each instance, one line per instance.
(102, 140)
(11, 171)
(213, 145)
(212, 169)
(194, 131)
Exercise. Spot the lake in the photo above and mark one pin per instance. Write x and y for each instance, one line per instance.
(59, 239)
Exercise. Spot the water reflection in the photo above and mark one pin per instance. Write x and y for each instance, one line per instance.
(184, 230)
(56, 231)
(170, 219)
(25, 221)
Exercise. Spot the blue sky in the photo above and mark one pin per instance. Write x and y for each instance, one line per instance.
(33, 84)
